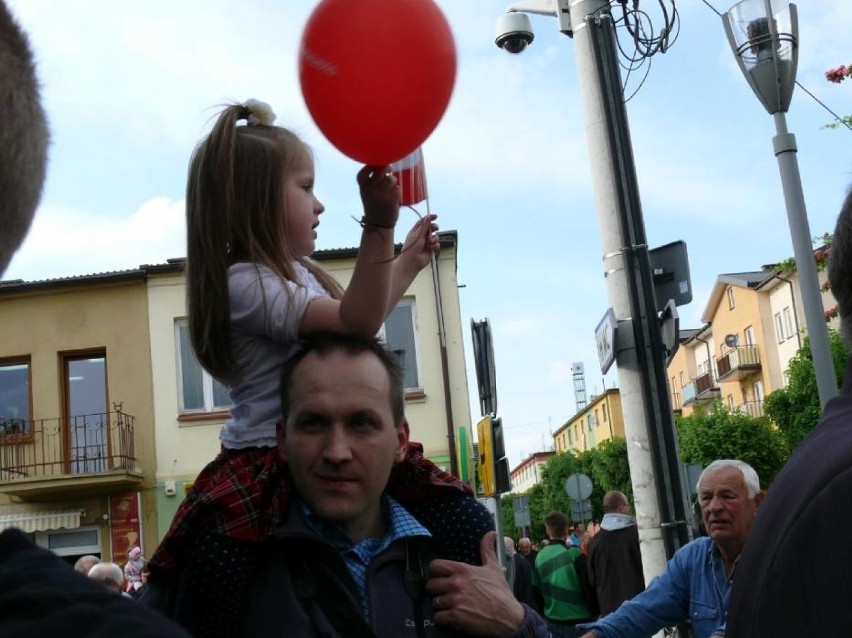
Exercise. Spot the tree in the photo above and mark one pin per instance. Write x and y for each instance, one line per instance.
(720, 433)
(796, 408)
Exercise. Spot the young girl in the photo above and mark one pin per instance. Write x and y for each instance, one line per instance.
(252, 217)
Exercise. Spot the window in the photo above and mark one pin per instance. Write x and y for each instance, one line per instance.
(604, 412)
(197, 390)
(749, 336)
(15, 396)
(730, 401)
(788, 321)
(399, 332)
(570, 437)
(779, 327)
(731, 302)
(681, 378)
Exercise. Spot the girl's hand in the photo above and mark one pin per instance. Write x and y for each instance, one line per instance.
(380, 195)
(420, 244)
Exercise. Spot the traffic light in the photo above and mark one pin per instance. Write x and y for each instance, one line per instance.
(485, 463)
(493, 466)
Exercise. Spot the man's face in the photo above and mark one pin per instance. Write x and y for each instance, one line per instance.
(725, 506)
(340, 439)
(524, 546)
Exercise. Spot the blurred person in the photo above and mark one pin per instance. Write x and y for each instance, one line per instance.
(614, 559)
(85, 563)
(133, 568)
(518, 573)
(696, 585)
(781, 590)
(110, 576)
(526, 550)
(24, 137)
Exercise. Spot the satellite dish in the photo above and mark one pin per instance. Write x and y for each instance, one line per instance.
(731, 341)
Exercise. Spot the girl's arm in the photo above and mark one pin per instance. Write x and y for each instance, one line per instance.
(364, 305)
(420, 244)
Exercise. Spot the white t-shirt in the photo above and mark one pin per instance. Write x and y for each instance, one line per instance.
(266, 313)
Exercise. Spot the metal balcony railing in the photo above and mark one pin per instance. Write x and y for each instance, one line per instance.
(739, 359)
(702, 388)
(80, 445)
(752, 408)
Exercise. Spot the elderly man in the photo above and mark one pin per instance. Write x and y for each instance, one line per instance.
(697, 581)
(781, 589)
(526, 550)
(349, 560)
(615, 562)
(110, 576)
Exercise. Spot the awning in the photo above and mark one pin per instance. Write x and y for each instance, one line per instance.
(41, 521)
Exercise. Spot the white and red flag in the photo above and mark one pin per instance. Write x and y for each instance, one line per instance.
(410, 174)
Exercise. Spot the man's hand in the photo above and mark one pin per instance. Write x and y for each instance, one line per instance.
(420, 244)
(475, 600)
(380, 195)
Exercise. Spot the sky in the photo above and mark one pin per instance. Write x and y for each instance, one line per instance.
(130, 88)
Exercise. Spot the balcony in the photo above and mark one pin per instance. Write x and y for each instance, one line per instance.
(752, 408)
(738, 363)
(701, 390)
(83, 456)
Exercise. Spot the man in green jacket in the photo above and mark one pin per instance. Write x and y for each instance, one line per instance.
(560, 582)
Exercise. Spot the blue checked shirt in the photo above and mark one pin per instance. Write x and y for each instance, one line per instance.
(358, 556)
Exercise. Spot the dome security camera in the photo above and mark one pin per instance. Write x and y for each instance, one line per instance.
(513, 32)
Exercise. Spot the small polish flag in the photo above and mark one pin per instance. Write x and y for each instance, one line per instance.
(410, 174)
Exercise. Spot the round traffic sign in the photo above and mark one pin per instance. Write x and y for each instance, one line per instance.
(578, 486)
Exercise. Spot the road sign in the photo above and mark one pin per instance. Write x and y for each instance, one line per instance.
(578, 487)
(483, 359)
(581, 510)
(521, 508)
(605, 340)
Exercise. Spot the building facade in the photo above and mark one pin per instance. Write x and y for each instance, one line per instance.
(601, 420)
(528, 472)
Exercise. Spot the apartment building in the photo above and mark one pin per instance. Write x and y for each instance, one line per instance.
(601, 420)
(528, 472)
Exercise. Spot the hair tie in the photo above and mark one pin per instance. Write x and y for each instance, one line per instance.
(258, 113)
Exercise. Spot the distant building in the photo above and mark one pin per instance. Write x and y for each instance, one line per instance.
(599, 421)
(528, 472)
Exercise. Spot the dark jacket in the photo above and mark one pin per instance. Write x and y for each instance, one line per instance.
(615, 567)
(299, 583)
(792, 577)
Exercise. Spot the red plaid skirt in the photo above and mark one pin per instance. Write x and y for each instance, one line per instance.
(244, 494)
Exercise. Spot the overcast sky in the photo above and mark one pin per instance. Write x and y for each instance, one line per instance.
(130, 88)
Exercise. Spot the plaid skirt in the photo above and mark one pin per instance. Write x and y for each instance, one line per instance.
(244, 494)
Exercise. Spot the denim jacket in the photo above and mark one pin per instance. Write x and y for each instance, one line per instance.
(693, 586)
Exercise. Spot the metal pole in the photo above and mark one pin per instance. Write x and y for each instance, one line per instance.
(648, 421)
(784, 144)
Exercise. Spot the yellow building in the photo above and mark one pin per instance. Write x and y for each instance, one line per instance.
(599, 421)
(77, 464)
(753, 327)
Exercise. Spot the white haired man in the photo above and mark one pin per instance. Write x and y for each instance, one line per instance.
(697, 582)
(110, 576)
(781, 590)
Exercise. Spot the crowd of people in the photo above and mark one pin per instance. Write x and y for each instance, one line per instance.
(321, 515)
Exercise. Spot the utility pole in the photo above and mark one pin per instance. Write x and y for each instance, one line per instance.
(648, 420)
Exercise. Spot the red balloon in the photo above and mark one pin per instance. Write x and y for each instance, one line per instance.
(377, 75)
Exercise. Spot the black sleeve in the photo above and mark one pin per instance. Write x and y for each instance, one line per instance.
(588, 590)
(41, 596)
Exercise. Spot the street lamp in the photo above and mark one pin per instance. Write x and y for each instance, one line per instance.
(763, 35)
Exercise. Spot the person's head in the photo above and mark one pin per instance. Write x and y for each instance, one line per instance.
(579, 529)
(615, 503)
(343, 427)
(85, 563)
(525, 546)
(509, 542)
(729, 494)
(556, 524)
(134, 554)
(249, 198)
(840, 268)
(109, 575)
(24, 137)
(145, 573)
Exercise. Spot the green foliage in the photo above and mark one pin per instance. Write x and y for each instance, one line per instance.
(719, 433)
(844, 120)
(796, 408)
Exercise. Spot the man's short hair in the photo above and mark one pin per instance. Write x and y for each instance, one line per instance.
(23, 137)
(750, 478)
(325, 343)
(557, 523)
(840, 268)
(108, 574)
(612, 501)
